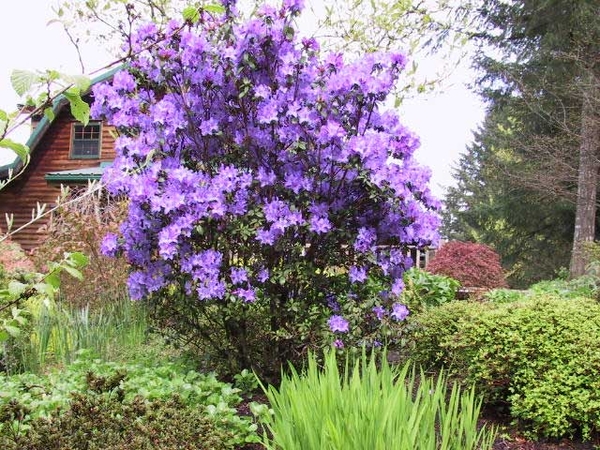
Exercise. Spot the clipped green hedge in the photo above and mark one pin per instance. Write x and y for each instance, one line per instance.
(541, 356)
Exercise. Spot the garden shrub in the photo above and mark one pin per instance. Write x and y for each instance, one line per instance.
(80, 224)
(263, 179)
(474, 265)
(540, 357)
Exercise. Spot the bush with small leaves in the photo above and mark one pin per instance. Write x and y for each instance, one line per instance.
(538, 356)
(474, 265)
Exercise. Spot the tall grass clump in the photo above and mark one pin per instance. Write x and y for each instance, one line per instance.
(371, 407)
(59, 333)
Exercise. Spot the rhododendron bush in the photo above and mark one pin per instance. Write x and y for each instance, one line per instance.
(264, 179)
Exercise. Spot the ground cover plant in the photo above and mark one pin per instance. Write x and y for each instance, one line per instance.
(263, 177)
(536, 358)
(163, 403)
(371, 405)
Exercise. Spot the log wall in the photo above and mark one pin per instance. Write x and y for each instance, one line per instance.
(52, 154)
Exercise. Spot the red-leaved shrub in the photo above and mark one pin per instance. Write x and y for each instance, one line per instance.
(474, 265)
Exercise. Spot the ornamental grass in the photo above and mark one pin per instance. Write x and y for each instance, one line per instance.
(371, 406)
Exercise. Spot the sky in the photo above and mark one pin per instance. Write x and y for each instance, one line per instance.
(445, 120)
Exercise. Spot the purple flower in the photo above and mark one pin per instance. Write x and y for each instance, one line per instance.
(357, 274)
(379, 311)
(110, 245)
(332, 303)
(338, 324)
(319, 225)
(397, 286)
(338, 343)
(247, 295)
(263, 275)
(238, 275)
(399, 311)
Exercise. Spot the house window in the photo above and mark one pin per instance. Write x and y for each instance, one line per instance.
(86, 141)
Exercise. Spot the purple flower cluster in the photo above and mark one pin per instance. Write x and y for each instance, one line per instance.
(246, 154)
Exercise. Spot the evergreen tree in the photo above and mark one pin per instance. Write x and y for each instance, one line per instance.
(540, 63)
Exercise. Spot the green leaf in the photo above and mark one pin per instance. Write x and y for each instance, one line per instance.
(191, 14)
(23, 80)
(74, 272)
(80, 82)
(78, 259)
(12, 330)
(15, 288)
(21, 150)
(79, 108)
(3, 335)
(49, 113)
(214, 8)
(53, 281)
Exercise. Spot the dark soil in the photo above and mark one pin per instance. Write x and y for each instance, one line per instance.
(510, 438)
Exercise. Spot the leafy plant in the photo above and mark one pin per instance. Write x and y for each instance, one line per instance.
(584, 286)
(125, 388)
(474, 265)
(58, 333)
(540, 357)
(32, 288)
(371, 406)
(504, 295)
(107, 423)
(424, 289)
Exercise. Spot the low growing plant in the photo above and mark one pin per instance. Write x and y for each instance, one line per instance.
(371, 406)
(139, 384)
(503, 295)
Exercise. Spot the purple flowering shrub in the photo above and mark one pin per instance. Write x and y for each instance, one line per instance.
(263, 179)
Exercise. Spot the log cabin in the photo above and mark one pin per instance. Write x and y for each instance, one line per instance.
(63, 152)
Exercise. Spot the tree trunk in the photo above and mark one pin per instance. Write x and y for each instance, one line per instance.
(587, 184)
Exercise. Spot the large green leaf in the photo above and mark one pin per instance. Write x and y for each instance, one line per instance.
(23, 80)
(77, 259)
(191, 14)
(21, 150)
(79, 108)
(214, 8)
(80, 82)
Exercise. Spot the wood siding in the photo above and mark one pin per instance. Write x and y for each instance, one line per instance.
(52, 154)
